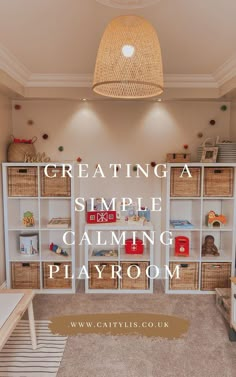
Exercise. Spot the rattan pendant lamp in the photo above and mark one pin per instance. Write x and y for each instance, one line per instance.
(129, 63)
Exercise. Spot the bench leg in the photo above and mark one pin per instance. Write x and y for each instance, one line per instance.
(32, 326)
(232, 335)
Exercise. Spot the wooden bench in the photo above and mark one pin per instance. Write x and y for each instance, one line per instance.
(13, 304)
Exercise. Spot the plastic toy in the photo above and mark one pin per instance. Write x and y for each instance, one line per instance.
(214, 220)
(181, 246)
(56, 249)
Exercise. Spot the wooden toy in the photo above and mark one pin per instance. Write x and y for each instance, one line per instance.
(181, 246)
(96, 214)
(28, 219)
(56, 249)
(214, 220)
(209, 247)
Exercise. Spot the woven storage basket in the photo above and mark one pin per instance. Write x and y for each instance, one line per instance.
(215, 275)
(185, 186)
(142, 282)
(189, 276)
(178, 157)
(22, 181)
(25, 275)
(218, 181)
(59, 281)
(106, 282)
(57, 186)
(16, 151)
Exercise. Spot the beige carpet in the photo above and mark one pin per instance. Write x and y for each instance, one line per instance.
(204, 352)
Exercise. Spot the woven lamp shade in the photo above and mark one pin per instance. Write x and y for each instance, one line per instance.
(129, 62)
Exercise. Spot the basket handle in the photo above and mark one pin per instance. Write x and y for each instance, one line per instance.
(34, 139)
(25, 265)
(184, 265)
(211, 144)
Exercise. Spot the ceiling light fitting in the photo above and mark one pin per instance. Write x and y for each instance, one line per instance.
(129, 62)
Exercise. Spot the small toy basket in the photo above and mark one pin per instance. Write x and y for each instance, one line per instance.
(17, 149)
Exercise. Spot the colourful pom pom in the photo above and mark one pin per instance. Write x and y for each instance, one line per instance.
(212, 122)
(224, 108)
(61, 148)
(200, 135)
(79, 159)
(185, 146)
(135, 168)
(30, 122)
(45, 136)
(153, 164)
(17, 107)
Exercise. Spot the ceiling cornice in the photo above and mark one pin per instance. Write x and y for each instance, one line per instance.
(19, 72)
(190, 81)
(13, 67)
(38, 80)
(85, 80)
(226, 71)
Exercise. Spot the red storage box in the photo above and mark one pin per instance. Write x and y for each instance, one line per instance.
(133, 248)
(98, 217)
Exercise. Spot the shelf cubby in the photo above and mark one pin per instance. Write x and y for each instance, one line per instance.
(187, 209)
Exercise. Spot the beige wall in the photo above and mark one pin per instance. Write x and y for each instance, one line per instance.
(5, 127)
(233, 121)
(123, 132)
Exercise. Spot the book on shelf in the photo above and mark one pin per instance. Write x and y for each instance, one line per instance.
(105, 253)
(59, 222)
(181, 224)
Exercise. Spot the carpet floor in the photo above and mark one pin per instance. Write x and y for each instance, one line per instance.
(205, 351)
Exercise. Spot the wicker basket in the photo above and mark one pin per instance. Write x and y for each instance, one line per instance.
(22, 181)
(57, 186)
(106, 282)
(59, 281)
(25, 275)
(142, 282)
(16, 151)
(178, 157)
(185, 186)
(215, 275)
(218, 181)
(189, 276)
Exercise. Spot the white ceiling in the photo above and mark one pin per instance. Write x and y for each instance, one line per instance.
(61, 37)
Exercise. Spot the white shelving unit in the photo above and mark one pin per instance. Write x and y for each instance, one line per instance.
(233, 304)
(43, 208)
(118, 228)
(195, 209)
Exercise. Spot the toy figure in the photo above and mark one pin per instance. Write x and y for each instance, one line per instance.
(209, 247)
(58, 250)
